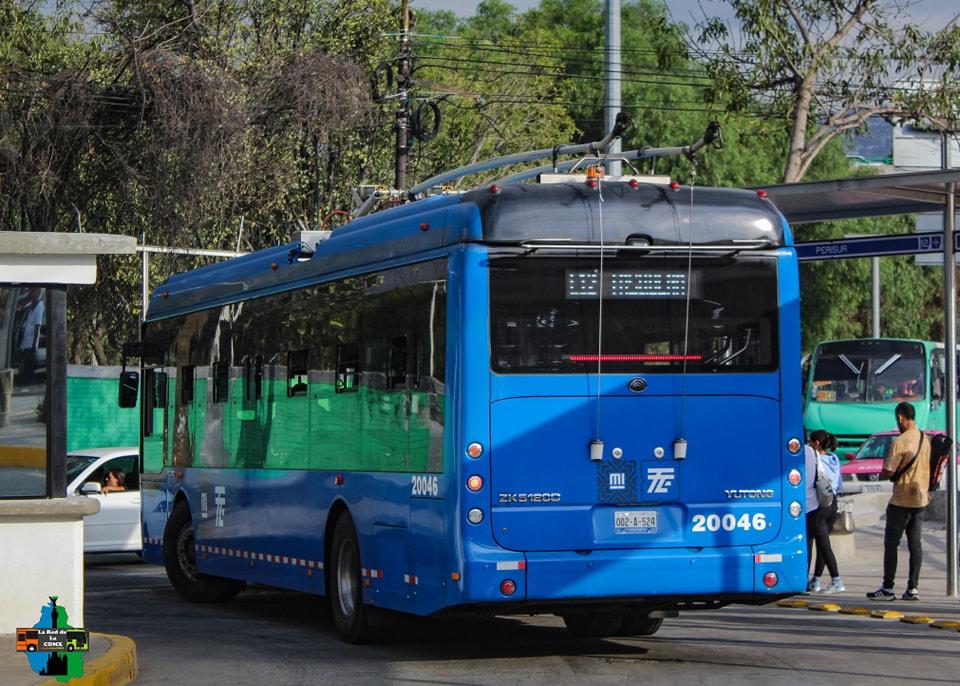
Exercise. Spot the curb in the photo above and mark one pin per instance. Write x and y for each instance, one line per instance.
(116, 667)
(866, 612)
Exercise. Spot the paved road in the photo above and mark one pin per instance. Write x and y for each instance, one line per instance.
(275, 637)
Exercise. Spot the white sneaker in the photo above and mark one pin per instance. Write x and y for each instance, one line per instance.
(814, 585)
(836, 586)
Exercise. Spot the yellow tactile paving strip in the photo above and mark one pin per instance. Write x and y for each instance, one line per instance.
(817, 606)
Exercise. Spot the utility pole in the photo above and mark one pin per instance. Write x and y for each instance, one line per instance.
(403, 82)
(611, 99)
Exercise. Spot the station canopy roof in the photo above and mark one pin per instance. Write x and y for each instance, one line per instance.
(866, 196)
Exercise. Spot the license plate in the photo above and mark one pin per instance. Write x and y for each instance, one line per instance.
(635, 522)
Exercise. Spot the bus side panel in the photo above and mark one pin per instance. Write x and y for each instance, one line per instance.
(793, 577)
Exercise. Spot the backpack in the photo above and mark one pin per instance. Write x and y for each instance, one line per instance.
(940, 450)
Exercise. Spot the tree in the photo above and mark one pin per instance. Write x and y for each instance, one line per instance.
(826, 67)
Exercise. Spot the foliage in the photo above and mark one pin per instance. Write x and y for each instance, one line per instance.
(233, 123)
(824, 67)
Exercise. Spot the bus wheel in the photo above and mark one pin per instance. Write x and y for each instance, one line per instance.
(639, 625)
(180, 561)
(350, 616)
(595, 625)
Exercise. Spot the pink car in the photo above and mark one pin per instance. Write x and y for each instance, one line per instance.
(866, 463)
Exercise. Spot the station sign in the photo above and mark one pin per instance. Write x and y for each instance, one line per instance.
(875, 246)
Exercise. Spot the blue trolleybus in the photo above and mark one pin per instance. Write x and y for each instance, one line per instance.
(575, 398)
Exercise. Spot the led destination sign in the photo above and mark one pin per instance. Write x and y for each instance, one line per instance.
(620, 283)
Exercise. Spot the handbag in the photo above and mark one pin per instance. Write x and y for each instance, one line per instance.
(843, 522)
(824, 488)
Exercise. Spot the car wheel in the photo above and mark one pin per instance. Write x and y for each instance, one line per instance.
(640, 625)
(594, 625)
(180, 561)
(344, 586)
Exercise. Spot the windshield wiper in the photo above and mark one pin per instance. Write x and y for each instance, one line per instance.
(886, 365)
(850, 365)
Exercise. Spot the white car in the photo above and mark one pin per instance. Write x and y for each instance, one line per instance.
(116, 527)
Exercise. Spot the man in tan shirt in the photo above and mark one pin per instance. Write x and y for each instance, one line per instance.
(909, 456)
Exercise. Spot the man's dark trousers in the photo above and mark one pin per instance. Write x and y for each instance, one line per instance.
(900, 519)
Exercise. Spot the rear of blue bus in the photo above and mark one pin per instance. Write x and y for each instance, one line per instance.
(630, 433)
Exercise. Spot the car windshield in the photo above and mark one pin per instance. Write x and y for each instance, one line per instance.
(869, 371)
(76, 464)
(875, 446)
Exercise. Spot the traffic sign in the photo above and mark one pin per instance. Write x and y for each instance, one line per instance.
(874, 246)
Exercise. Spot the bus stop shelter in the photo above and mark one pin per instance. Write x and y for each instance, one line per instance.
(41, 528)
(887, 195)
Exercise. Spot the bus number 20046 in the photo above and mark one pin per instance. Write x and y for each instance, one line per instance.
(423, 485)
(729, 522)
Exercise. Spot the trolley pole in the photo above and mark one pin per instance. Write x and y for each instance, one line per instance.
(403, 82)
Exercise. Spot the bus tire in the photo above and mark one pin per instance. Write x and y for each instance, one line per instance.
(180, 561)
(594, 625)
(351, 617)
(640, 625)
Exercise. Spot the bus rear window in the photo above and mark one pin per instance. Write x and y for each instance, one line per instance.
(546, 315)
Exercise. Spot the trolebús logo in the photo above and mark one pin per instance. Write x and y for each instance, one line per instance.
(637, 384)
(660, 479)
(508, 498)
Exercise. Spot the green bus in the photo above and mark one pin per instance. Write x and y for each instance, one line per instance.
(854, 385)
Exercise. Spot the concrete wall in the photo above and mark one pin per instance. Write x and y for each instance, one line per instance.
(42, 544)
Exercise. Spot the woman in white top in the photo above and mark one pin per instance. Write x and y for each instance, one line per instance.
(828, 467)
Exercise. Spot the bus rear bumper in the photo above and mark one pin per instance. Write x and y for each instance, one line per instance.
(643, 575)
(554, 576)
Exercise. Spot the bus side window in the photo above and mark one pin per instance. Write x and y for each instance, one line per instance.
(347, 367)
(185, 379)
(936, 376)
(397, 363)
(252, 377)
(221, 381)
(297, 364)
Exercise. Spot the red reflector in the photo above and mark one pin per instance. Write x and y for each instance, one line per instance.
(508, 587)
(770, 579)
(494, 188)
(762, 193)
(424, 226)
(634, 358)
(674, 185)
(273, 266)
(634, 183)
(592, 183)
(338, 479)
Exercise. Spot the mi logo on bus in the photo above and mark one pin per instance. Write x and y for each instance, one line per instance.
(618, 481)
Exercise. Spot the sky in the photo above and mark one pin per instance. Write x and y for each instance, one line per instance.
(930, 14)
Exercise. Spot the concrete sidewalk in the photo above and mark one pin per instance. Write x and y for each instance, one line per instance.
(111, 661)
(860, 558)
